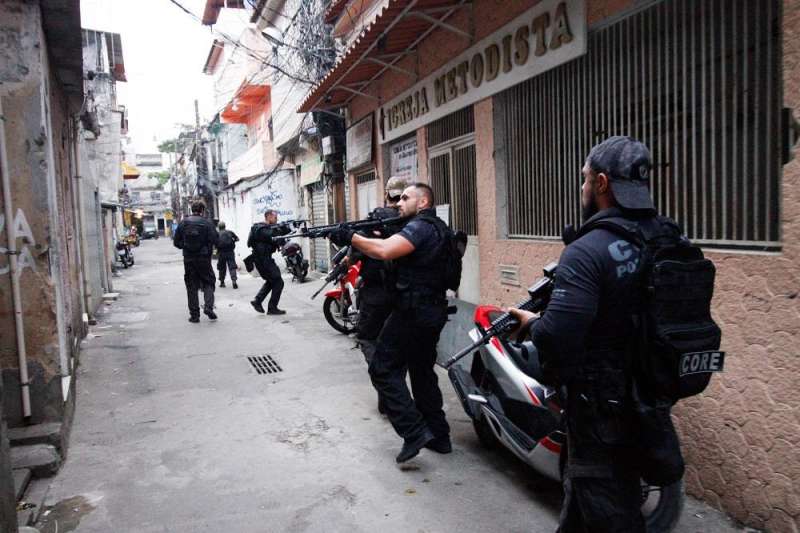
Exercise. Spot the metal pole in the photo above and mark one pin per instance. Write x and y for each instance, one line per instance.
(12, 261)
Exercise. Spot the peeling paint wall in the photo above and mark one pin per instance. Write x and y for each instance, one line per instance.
(40, 146)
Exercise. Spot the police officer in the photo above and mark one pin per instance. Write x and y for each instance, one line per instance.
(196, 236)
(377, 294)
(582, 340)
(226, 255)
(265, 239)
(409, 336)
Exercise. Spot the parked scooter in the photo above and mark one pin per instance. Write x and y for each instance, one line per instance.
(125, 253)
(341, 304)
(511, 408)
(296, 264)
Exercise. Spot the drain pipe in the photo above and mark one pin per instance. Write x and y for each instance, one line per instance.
(12, 261)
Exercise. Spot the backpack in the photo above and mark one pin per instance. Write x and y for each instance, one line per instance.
(225, 241)
(677, 348)
(451, 251)
(195, 236)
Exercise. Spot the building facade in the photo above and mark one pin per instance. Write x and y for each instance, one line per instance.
(497, 108)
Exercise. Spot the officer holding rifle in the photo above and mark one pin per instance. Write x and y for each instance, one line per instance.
(409, 336)
(265, 238)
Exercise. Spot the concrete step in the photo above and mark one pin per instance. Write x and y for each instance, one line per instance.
(43, 460)
(21, 479)
(49, 433)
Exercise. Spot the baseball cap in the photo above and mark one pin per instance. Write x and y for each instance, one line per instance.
(627, 163)
(396, 185)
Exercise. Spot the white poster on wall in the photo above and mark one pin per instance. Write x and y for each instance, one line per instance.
(404, 159)
(359, 143)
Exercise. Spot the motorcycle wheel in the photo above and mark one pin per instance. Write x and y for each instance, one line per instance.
(333, 314)
(484, 432)
(662, 506)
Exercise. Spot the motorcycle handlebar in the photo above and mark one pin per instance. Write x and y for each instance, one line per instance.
(539, 293)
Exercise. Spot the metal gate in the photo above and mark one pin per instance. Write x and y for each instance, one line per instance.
(698, 81)
(453, 174)
(319, 217)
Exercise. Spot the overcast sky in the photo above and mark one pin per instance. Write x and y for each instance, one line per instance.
(164, 50)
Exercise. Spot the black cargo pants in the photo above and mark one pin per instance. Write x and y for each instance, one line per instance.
(199, 276)
(272, 282)
(602, 488)
(374, 307)
(408, 341)
(226, 261)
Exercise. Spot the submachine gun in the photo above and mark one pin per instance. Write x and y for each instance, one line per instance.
(539, 296)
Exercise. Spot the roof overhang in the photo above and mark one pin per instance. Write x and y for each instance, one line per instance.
(394, 33)
(248, 99)
(334, 10)
(61, 20)
(213, 56)
(213, 7)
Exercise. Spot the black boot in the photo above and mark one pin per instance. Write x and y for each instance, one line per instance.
(221, 283)
(194, 319)
(210, 314)
(275, 311)
(440, 444)
(411, 447)
(257, 306)
(235, 286)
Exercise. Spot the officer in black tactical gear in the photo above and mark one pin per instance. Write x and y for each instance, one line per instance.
(582, 340)
(196, 236)
(376, 296)
(226, 254)
(409, 336)
(265, 239)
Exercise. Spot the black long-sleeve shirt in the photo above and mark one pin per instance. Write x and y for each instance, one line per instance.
(588, 322)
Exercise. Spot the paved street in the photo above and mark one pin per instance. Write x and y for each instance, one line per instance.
(175, 432)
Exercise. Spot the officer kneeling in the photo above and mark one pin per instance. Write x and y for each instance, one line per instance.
(410, 334)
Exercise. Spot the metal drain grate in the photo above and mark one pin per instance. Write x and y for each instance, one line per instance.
(264, 364)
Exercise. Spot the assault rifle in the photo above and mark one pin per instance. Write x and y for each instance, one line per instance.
(338, 267)
(316, 232)
(539, 297)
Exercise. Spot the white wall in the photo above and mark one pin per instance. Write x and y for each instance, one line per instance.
(240, 209)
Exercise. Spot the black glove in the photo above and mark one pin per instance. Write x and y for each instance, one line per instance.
(341, 236)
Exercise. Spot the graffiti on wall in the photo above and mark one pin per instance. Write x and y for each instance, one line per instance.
(22, 231)
(273, 200)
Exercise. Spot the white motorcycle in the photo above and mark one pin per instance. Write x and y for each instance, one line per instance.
(511, 408)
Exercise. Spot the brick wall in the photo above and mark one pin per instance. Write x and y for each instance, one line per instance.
(742, 436)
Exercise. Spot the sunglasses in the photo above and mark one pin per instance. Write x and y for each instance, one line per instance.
(394, 198)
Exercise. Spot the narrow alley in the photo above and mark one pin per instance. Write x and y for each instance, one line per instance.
(174, 430)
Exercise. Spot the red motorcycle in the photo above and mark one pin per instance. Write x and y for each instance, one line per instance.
(341, 304)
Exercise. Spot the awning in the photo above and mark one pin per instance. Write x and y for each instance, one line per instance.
(130, 172)
(396, 31)
(213, 56)
(248, 99)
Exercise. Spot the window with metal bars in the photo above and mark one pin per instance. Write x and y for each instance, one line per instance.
(698, 81)
(453, 168)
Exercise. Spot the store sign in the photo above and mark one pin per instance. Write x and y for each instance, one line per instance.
(404, 159)
(359, 143)
(546, 36)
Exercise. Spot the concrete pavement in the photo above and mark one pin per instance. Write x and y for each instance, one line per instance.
(175, 431)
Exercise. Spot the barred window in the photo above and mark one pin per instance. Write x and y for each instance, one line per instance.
(698, 81)
(453, 168)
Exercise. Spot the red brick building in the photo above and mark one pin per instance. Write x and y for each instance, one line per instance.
(496, 104)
